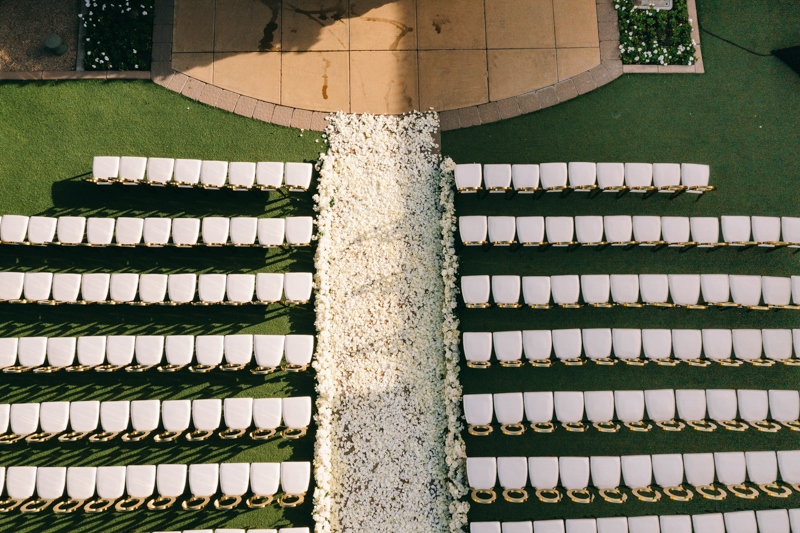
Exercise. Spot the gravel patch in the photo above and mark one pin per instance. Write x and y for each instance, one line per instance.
(24, 24)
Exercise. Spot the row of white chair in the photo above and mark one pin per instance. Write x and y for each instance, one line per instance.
(604, 290)
(136, 420)
(156, 231)
(229, 530)
(607, 410)
(238, 176)
(732, 470)
(767, 521)
(166, 354)
(157, 486)
(294, 288)
(626, 230)
(607, 346)
(585, 177)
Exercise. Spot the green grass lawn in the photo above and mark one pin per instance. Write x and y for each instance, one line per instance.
(741, 117)
(50, 133)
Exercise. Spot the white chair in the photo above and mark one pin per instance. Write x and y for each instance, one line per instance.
(746, 291)
(508, 348)
(264, 482)
(589, 230)
(210, 289)
(131, 170)
(543, 473)
(583, 176)
(238, 413)
(628, 345)
(105, 170)
(675, 232)
(31, 353)
(180, 287)
(271, 232)
(13, 229)
(569, 410)
(762, 470)
(625, 289)
(81, 482)
(754, 409)
(240, 289)
(736, 230)
(667, 178)
(566, 291)
(790, 231)
(538, 411)
(597, 345)
(618, 229)
(8, 351)
(685, 290)
(484, 527)
(525, 178)
(156, 231)
(60, 354)
(41, 230)
(553, 176)
(612, 525)
(266, 417)
(299, 230)
(605, 478)
(299, 351)
(476, 291)
(536, 291)
(94, 288)
(560, 230)
(747, 345)
(296, 412)
(784, 408)
(269, 288)
(269, 175)
(153, 289)
(170, 484)
(643, 524)
(66, 288)
(140, 483)
(478, 409)
(478, 349)
(234, 480)
(776, 292)
(629, 406)
(268, 351)
(297, 176)
(209, 350)
(599, 407)
(497, 178)
(145, 416)
(647, 230)
(11, 284)
(123, 288)
(718, 346)
(215, 231)
(473, 230)
(502, 230)
(611, 177)
(722, 408)
(530, 231)
(295, 477)
(789, 466)
(20, 485)
(203, 483)
(508, 410)
(766, 231)
(178, 351)
(716, 290)
(567, 346)
(539, 526)
(149, 351)
(241, 176)
(37, 287)
(23, 420)
(660, 405)
(639, 177)
(537, 345)
(206, 417)
(668, 474)
(710, 523)
(110, 484)
(731, 470)
(574, 474)
(114, 419)
(185, 232)
(512, 473)
(596, 289)
(774, 521)
(637, 471)
(695, 178)
(297, 287)
(655, 289)
(238, 352)
(128, 231)
(91, 353)
(705, 232)
(505, 291)
(691, 404)
(159, 171)
(187, 172)
(244, 230)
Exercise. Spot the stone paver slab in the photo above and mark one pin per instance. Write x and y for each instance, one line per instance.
(676, 69)
(164, 11)
(254, 74)
(508, 108)
(584, 83)
(318, 121)
(513, 72)
(282, 116)
(606, 12)
(247, 26)
(452, 79)
(528, 103)
(469, 116)
(210, 95)
(161, 72)
(263, 111)
(195, 65)
(520, 24)
(315, 25)
(162, 33)
(193, 88)
(600, 75)
(608, 31)
(640, 69)
(383, 82)
(451, 25)
(565, 90)
(609, 50)
(245, 106)
(382, 25)
(448, 120)
(162, 51)
(128, 75)
(576, 23)
(547, 97)
(316, 80)
(573, 61)
(614, 67)
(194, 26)
(489, 112)
(301, 119)
(227, 101)
(178, 82)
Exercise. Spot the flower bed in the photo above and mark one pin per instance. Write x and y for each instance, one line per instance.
(119, 35)
(652, 37)
(389, 454)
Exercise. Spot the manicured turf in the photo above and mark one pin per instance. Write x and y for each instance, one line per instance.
(50, 133)
(740, 117)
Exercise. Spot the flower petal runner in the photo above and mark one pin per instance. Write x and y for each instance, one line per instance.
(389, 455)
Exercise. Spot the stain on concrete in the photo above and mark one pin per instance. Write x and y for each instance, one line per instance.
(438, 22)
(404, 30)
(267, 43)
(325, 79)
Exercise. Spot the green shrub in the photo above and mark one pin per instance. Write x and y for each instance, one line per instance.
(653, 37)
(119, 35)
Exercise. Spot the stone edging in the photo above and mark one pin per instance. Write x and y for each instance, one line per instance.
(609, 69)
(77, 75)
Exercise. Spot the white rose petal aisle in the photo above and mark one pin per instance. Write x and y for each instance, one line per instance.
(389, 455)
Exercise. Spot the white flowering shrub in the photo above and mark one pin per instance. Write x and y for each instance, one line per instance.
(389, 454)
(655, 37)
(119, 35)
